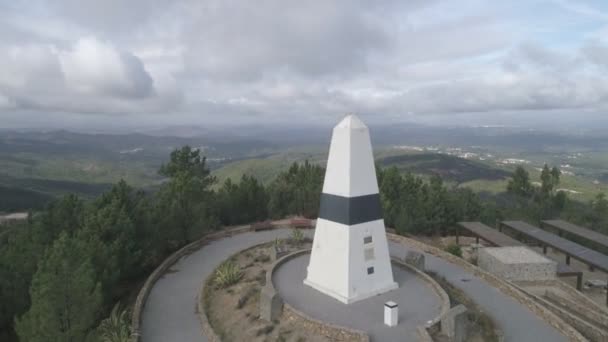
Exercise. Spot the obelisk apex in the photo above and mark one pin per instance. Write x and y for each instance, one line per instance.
(350, 167)
(349, 259)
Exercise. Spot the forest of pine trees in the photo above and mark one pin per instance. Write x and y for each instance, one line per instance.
(63, 273)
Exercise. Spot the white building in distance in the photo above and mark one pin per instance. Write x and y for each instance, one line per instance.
(349, 260)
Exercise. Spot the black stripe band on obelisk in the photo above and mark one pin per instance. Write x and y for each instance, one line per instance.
(350, 210)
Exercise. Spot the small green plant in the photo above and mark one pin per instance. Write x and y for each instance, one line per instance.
(117, 327)
(454, 249)
(227, 274)
(297, 237)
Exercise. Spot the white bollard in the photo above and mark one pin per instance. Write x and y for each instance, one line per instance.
(391, 314)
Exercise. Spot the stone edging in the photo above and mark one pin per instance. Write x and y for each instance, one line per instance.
(213, 337)
(504, 286)
(362, 336)
(441, 293)
(576, 296)
(200, 298)
(280, 262)
(144, 292)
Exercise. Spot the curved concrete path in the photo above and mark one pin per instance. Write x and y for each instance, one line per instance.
(169, 313)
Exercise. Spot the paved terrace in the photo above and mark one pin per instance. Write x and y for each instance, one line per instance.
(417, 301)
(169, 314)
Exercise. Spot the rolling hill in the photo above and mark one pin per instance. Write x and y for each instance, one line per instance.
(450, 168)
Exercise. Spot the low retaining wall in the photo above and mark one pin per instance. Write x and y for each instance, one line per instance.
(558, 306)
(578, 300)
(504, 286)
(582, 309)
(200, 300)
(423, 334)
(334, 332)
(423, 330)
(140, 302)
(592, 331)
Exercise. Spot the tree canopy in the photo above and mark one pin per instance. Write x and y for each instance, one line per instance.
(63, 270)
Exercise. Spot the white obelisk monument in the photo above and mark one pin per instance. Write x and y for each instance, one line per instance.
(349, 259)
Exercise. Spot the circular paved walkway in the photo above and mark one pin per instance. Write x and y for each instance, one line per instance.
(418, 303)
(169, 314)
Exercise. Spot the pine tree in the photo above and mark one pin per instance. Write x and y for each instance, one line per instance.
(66, 298)
(391, 189)
(546, 182)
(185, 202)
(519, 183)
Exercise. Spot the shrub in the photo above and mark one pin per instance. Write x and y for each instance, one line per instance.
(227, 274)
(454, 249)
(297, 237)
(117, 327)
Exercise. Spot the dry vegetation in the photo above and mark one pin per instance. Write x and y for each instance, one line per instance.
(233, 309)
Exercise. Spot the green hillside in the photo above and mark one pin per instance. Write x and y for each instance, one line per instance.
(450, 168)
(267, 168)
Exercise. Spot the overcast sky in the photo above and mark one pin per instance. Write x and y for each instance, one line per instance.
(144, 63)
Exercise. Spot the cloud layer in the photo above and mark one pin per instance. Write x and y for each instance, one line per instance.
(290, 60)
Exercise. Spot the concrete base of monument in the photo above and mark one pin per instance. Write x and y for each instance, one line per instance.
(352, 299)
(418, 302)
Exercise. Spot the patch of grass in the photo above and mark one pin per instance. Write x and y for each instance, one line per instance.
(278, 242)
(297, 237)
(227, 274)
(454, 249)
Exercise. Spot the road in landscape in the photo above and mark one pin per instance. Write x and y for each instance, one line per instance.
(169, 313)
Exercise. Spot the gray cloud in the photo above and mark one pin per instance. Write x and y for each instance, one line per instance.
(271, 60)
(91, 76)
